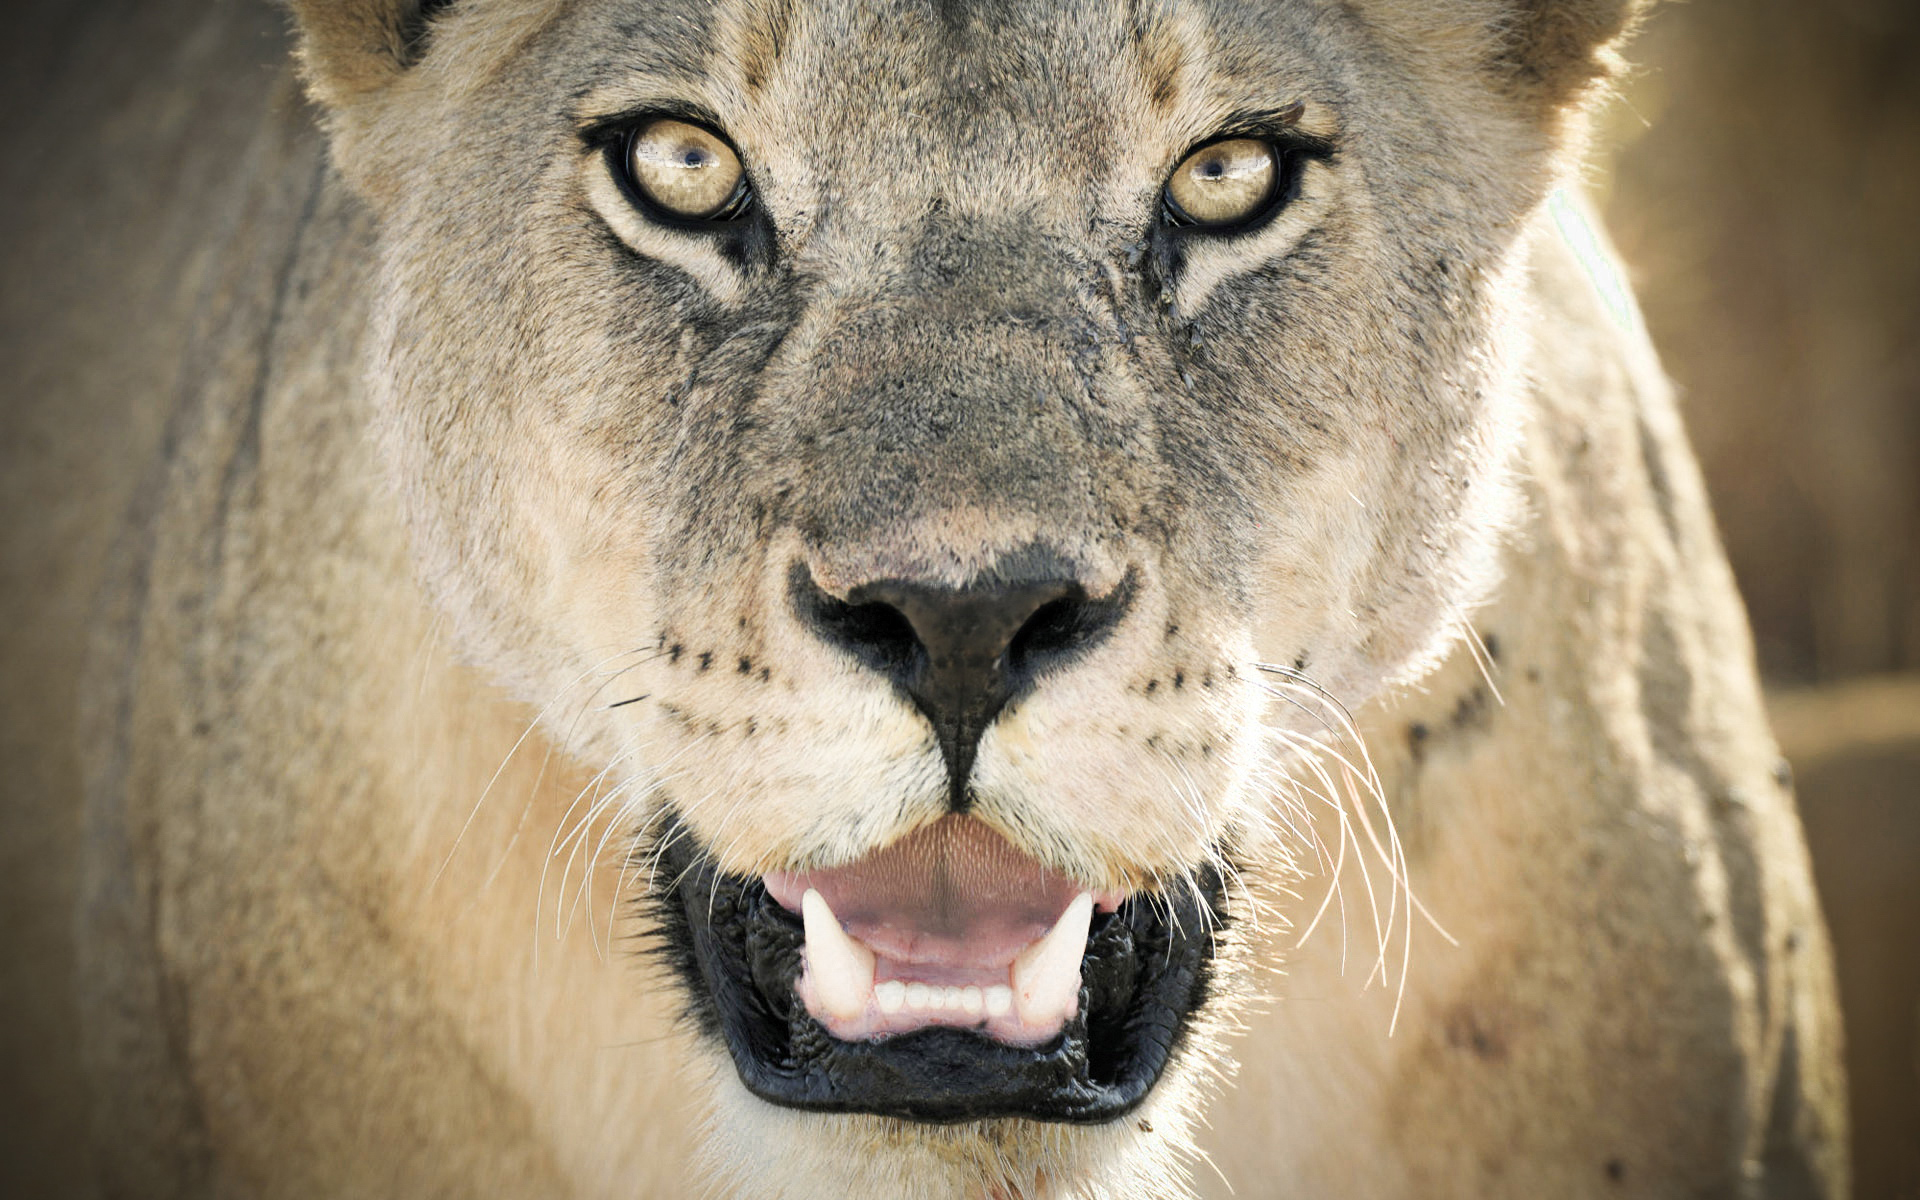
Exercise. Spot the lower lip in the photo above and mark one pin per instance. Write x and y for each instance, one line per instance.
(1141, 981)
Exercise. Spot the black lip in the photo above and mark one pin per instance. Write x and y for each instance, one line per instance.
(1148, 967)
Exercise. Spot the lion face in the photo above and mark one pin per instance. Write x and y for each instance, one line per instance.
(890, 439)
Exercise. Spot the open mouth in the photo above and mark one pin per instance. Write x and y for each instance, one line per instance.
(946, 977)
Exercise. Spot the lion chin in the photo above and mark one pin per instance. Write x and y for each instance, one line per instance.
(944, 599)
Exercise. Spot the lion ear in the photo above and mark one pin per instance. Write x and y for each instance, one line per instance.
(350, 50)
(1555, 50)
(1542, 53)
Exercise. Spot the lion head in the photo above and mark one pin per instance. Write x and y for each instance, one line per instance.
(968, 444)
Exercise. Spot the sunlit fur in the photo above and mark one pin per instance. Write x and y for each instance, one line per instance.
(1430, 650)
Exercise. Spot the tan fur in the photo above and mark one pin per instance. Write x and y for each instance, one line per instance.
(465, 462)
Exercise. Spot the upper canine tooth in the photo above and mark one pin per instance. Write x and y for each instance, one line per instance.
(840, 968)
(1046, 975)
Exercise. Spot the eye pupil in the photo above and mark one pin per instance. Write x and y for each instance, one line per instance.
(686, 170)
(1224, 184)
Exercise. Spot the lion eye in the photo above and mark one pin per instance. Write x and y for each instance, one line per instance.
(687, 171)
(1223, 184)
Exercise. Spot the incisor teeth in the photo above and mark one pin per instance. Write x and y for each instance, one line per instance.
(891, 996)
(1046, 975)
(999, 1000)
(918, 996)
(970, 1000)
(839, 967)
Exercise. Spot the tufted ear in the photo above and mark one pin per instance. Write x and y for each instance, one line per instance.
(351, 49)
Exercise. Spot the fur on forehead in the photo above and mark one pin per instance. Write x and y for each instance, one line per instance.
(959, 76)
(356, 55)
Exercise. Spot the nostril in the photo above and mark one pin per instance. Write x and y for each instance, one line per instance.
(1056, 628)
(876, 633)
(962, 654)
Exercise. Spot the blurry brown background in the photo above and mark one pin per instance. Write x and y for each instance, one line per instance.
(1761, 175)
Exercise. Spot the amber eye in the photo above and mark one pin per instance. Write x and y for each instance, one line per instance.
(1223, 184)
(687, 171)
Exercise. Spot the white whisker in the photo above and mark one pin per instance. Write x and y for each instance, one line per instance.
(1482, 659)
(1349, 786)
(501, 769)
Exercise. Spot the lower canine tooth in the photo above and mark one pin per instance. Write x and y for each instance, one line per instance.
(839, 968)
(1046, 975)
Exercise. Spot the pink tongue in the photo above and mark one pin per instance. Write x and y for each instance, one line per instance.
(954, 893)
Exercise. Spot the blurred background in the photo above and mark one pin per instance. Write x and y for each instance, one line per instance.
(1761, 175)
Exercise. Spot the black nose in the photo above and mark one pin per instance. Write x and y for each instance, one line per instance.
(962, 654)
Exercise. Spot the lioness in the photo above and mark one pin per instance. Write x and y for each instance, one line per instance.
(810, 600)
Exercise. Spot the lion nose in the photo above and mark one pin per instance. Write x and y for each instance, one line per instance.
(962, 654)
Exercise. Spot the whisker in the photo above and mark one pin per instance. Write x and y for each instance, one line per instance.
(1482, 659)
(563, 836)
(1353, 797)
(518, 742)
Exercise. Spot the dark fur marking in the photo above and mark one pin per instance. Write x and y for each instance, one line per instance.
(1160, 56)
(1666, 701)
(756, 69)
(245, 458)
(706, 659)
(1660, 481)
(416, 29)
(1466, 1031)
(1472, 711)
